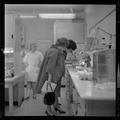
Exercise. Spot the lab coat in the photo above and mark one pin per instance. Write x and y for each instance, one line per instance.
(32, 60)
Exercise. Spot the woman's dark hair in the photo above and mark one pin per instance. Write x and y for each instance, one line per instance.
(62, 42)
(72, 45)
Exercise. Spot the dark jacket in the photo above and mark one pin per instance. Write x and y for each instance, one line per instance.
(54, 63)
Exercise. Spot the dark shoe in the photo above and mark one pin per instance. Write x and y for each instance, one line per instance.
(34, 97)
(27, 98)
(48, 114)
(60, 111)
(62, 86)
(59, 103)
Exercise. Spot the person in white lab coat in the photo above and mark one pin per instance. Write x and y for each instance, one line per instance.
(32, 60)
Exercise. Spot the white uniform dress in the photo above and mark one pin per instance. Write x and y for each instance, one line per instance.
(32, 59)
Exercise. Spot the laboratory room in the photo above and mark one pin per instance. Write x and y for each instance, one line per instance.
(60, 60)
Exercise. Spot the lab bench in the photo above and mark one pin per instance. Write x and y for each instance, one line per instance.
(85, 98)
(15, 88)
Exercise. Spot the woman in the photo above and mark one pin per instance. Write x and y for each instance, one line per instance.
(32, 61)
(70, 48)
(52, 69)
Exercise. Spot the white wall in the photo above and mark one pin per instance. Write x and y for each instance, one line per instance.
(9, 30)
(38, 29)
(94, 13)
(70, 30)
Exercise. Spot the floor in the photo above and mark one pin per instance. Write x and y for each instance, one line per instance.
(36, 107)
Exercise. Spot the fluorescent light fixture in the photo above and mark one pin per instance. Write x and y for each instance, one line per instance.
(57, 15)
(27, 16)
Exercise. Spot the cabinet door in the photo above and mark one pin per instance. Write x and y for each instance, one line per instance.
(95, 66)
(9, 30)
(111, 62)
(104, 65)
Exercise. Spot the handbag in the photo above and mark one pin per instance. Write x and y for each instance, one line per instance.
(45, 85)
(49, 97)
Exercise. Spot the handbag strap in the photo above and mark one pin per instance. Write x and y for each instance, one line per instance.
(50, 87)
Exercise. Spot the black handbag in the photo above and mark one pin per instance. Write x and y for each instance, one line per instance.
(49, 97)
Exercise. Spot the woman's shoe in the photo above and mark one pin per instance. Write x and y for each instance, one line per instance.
(27, 98)
(59, 110)
(34, 97)
(59, 103)
(49, 114)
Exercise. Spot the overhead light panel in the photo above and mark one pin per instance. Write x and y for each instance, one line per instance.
(57, 15)
(28, 16)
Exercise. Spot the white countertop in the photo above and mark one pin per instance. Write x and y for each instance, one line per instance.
(87, 90)
(11, 79)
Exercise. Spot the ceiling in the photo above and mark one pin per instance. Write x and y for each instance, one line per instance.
(42, 8)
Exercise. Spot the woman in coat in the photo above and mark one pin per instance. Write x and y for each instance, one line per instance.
(52, 69)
